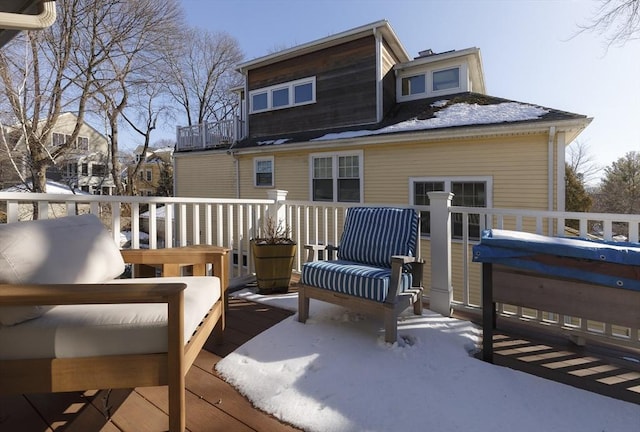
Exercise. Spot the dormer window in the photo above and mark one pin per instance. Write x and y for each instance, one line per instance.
(419, 81)
(446, 79)
(293, 93)
(414, 85)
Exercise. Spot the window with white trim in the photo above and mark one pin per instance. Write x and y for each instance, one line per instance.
(336, 177)
(263, 171)
(289, 94)
(149, 174)
(416, 84)
(446, 79)
(467, 192)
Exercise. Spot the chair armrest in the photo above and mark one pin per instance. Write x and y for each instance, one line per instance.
(67, 294)
(313, 249)
(397, 263)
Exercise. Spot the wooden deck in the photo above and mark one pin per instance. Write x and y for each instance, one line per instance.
(213, 405)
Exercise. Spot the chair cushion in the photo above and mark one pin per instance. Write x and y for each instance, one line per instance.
(372, 235)
(72, 249)
(98, 330)
(352, 278)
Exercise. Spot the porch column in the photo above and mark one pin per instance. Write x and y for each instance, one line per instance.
(441, 294)
(277, 209)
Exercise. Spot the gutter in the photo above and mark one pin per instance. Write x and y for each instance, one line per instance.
(21, 21)
(550, 153)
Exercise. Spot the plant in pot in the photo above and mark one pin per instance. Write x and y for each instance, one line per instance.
(273, 253)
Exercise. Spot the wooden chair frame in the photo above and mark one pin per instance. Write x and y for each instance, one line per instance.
(124, 371)
(396, 302)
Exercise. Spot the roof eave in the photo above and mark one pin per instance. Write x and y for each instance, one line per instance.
(571, 126)
(329, 41)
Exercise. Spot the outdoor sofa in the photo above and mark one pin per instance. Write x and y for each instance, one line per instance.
(69, 323)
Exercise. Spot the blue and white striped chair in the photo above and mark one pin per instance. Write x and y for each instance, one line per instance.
(376, 270)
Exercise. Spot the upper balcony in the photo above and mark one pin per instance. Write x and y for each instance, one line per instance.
(209, 135)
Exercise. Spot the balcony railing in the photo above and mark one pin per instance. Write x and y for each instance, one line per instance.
(167, 222)
(209, 135)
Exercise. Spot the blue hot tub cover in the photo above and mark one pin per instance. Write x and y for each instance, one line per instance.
(519, 249)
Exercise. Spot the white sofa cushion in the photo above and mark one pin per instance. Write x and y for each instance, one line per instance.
(72, 249)
(97, 330)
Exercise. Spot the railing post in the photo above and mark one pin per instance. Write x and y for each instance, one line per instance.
(277, 209)
(203, 134)
(441, 294)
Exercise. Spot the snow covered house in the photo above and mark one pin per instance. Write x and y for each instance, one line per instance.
(85, 166)
(351, 118)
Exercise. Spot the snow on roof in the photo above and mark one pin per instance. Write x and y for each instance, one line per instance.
(461, 114)
(273, 142)
(51, 187)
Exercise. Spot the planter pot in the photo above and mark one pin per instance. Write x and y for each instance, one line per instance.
(273, 265)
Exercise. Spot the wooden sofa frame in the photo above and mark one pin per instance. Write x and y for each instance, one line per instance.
(124, 371)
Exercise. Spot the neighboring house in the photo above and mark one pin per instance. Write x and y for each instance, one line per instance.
(351, 118)
(85, 166)
(155, 176)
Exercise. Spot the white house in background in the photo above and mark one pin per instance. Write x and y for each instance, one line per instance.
(86, 166)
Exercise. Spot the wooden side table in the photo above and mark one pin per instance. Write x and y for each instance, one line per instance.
(172, 262)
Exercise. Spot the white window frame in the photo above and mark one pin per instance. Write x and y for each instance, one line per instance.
(463, 81)
(449, 89)
(448, 181)
(414, 95)
(148, 174)
(334, 172)
(291, 85)
(255, 171)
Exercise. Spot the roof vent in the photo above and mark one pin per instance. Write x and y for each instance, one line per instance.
(426, 53)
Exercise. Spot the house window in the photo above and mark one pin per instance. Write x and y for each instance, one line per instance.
(336, 177)
(259, 102)
(83, 143)
(446, 79)
(298, 92)
(149, 175)
(98, 170)
(303, 93)
(58, 139)
(414, 85)
(467, 192)
(280, 97)
(263, 168)
(85, 169)
(72, 169)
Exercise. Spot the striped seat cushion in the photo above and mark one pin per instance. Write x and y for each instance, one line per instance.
(372, 235)
(352, 278)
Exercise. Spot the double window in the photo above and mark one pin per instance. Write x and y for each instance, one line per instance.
(467, 192)
(263, 172)
(430, 83)
(58, 139)
(336, 177)
(292, 93)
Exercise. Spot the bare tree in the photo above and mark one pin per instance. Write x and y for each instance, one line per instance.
(133, 63)
(86, 57)
(583, 163)
(617, 20)
(201, 73)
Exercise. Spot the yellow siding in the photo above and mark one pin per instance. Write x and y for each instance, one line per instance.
(205, 175)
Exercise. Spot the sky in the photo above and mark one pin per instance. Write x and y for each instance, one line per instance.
(336, 373)
(532, 51)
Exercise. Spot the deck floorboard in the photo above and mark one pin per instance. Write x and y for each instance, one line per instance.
(213, 405)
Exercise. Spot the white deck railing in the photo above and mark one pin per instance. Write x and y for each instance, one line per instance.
(451, 278)
(209, 135)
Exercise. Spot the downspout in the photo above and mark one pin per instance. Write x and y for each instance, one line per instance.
(236, 166)
(18, 21)
(550, 171)
(379, 89)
